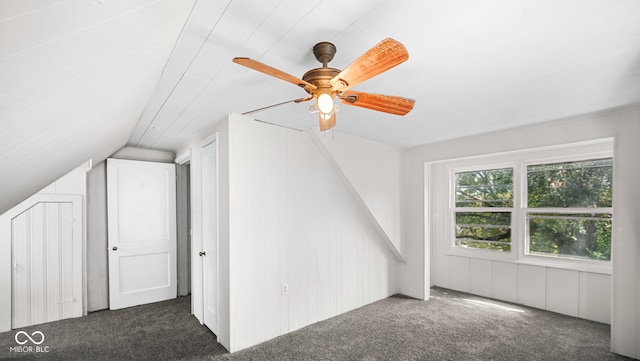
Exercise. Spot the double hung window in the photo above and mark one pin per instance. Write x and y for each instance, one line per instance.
(483, 208)
(568, 209)
(533, 205)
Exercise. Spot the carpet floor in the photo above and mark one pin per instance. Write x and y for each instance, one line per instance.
(450, 326)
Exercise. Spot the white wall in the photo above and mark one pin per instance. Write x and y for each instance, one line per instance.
(580, 290)
(285, 217)
(74, 89)
(624, 127)
(570, 292)
(97, 270)
(374, 170)
(293, 221)
(72, 183)
(147, 155)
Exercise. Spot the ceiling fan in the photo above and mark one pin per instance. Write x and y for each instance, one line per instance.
(325, 84)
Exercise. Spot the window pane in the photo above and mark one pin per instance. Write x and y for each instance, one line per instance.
(485, 188)
(487, 230)
(586, 236)
(571, 184)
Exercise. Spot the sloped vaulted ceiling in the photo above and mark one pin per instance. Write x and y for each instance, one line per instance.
(75, 76)
(474, 66)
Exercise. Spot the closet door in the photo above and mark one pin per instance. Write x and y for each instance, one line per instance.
(47, 262)
(141, 213)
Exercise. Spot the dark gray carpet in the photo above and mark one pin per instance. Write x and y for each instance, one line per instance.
(450, 326)
(158, 331)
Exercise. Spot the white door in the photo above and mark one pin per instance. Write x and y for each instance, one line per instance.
(209, 251)
(141, 213)
(47, 261)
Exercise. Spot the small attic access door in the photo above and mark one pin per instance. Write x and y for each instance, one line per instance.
(46, 241)
(141, 213)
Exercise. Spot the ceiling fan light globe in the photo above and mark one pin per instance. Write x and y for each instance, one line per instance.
(325, 103)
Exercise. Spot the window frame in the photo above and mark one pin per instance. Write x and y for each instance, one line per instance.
(569, 262)
(518, 161)
(479, 252)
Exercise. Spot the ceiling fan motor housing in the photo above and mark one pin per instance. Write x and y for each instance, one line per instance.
(321, 77)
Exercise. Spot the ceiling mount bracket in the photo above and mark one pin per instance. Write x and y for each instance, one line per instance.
(324, 52)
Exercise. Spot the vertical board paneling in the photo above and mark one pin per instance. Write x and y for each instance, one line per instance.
(374, 171)
(579, 294)
(459, 273)
(595, 297)
(38, 264)
(492, 278)
(563, 291)
(56, 244)
(293, 221)
(65, 225)
(532, 286)
(505, 281)
(21, 302)
(439, 226)
(624, 282)
(295, 235)
(480, 278)
(46, 281)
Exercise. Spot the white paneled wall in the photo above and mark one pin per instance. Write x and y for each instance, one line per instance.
(586, 295)
(71, 184)
(563, 292)
(592, 297)
(503, 278)
(479, 283)
(531, 286)
(47, 262)
(293, 222)
(574, 293)
(285, 219)
(374, 170)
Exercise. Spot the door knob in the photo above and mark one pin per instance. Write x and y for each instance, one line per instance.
(202, 254)
(114, 248)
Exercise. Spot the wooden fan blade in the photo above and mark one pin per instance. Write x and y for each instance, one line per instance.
(382, 103)
(326, 124)
(266, 69)
(382, 57)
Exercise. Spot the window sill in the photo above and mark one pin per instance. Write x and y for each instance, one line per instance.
(534, 260)
(567, 263)
(482, 254)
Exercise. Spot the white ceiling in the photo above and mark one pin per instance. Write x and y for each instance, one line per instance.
(74, 79)
(81, 78)
(474, 67)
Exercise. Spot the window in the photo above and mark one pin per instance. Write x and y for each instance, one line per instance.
(483, 207)
(533, 206)
(569, 209)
